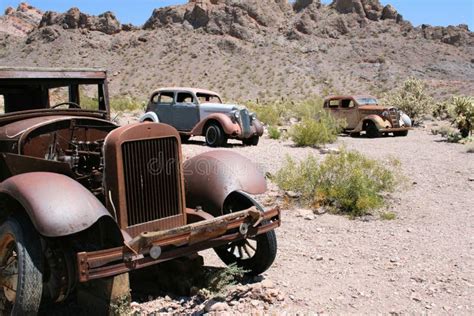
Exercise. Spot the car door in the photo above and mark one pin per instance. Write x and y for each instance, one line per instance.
(333, 107)
(185, 111)
(348, 111)
(162, 104)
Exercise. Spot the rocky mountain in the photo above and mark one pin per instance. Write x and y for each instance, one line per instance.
(248, 49)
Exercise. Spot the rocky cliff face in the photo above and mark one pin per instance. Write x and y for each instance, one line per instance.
(247, 49)
(20, 21)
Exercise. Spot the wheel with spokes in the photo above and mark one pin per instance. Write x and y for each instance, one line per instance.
(254, 254)
(21, 278)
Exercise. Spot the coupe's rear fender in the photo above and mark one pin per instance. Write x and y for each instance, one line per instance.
(212, 176)
(377, 120)
(56, 204)
(229, 127)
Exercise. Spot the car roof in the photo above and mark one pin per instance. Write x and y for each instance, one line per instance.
(51, 73)
(357, 96)
(187, 89)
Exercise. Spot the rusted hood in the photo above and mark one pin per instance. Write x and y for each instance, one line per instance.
(372, 108)
(16, 129)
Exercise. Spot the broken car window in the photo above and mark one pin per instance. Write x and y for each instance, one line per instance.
(208, 98)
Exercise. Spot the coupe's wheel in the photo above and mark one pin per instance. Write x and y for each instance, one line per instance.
(252, 141)
(215, 136)
(371, 130)
(254, 255)
(402, 134)
(21, 278)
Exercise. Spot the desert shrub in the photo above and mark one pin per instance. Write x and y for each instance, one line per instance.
(309, 108)
(412, 98)
(347, 182)
(441, 110)
(274, 132)
(462, 112)
(125, 104)
(388, 216)
(269, 113)
(216, 281)
(316, 131)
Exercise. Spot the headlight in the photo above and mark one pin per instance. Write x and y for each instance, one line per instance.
(236, 115)
(385, 114)
(253, 116)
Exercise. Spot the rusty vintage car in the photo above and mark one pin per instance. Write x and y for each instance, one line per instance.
(198, 112)
(82, 199)
(364, 114)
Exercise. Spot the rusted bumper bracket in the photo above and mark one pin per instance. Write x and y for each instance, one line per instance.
(175, 243)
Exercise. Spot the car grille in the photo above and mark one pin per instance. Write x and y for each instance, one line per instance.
(152, 179)
(394, 118)
(245, 123)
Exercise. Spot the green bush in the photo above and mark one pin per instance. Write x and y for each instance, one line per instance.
(347, 182)
(216, 281)
(269, 113)
(315, 132)
(274, 132)
(462, 111)
(412, 98)
(121, 104)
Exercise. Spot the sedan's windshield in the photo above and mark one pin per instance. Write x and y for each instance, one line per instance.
(367, 100)
(208, 98)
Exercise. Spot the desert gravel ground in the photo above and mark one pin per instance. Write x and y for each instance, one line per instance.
(421, 262)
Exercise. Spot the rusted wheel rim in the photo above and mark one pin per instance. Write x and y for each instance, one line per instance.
(211, 135)
(243, 249)
(8, 271)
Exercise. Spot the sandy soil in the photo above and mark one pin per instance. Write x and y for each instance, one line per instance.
(420, 262)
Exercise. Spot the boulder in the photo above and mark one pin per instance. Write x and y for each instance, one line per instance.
(389, 13)
(300, 5)
(74, 19)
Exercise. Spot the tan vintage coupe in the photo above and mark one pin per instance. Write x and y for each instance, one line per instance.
(363, 113)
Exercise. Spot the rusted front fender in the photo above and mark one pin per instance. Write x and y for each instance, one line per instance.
(376, 119)
(212, 176)
(229, 127)
(56, 204)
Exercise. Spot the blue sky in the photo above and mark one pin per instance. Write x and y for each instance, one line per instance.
(434, 12)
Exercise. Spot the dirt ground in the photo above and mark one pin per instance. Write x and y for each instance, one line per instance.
(421, 262)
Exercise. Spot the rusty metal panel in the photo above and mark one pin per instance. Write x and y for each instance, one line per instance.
(115, 168)
(56, 204)
(210, 177)
(51, 73)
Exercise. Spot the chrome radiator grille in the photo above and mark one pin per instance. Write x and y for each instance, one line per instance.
(152, 179)
(245, 122)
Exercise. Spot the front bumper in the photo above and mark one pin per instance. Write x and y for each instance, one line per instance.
(177, 242)
(397, 129)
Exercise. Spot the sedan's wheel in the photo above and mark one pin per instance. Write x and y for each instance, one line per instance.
(372, 130)
(252, 141)
(20, 268)
(215, 136)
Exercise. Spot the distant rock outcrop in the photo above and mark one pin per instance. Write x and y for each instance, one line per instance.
(74, 19)
(241, 19)
(20, 21)
(453, 35)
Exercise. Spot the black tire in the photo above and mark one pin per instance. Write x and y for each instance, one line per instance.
(464, 132)
(265, 245)
(355, 134)
(252, 141)
(20, 251)
(185, 138)
(400, 134)
(371, 130)
(255, 255)
(215, 136)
